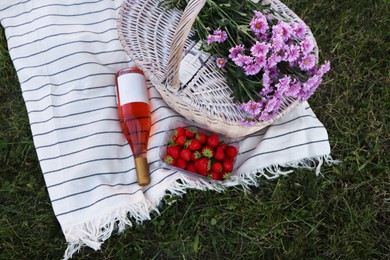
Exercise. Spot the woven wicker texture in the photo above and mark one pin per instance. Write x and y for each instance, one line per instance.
(188, 80)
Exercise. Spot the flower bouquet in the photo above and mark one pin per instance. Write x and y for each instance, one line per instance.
(263, 58)
(233, 67)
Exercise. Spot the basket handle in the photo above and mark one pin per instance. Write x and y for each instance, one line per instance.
(178, 41)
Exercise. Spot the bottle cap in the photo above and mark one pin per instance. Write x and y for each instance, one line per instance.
(142, 169)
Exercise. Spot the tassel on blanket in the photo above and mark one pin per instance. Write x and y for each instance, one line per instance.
(95, 232)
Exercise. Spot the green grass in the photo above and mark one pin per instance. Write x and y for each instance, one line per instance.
(344, 215)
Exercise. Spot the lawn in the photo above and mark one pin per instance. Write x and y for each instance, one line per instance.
(344, 214)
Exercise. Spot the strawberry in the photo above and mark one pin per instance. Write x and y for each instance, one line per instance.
(203, 165)
(229, 158)
(202, 138)
(185, 154)
(219, 153)
(213, 140)
(190, 133)
(195, 156)
(216, 176)
(193, 145)
(207, 151)
(169, 160)
(181, 163)
(227, 165)
(174, 151)
(223, 146)
(216, 167)
(191, 168)
(231, 151)
(181, 140)
(180, 131)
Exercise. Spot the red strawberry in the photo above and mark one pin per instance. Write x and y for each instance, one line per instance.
(202, 138)
(181, 163)
(191, 168)
(216, 176)
(223, 146)
(207, 151)
(185, 154)
(231, 151)
(213, 140)
(203, 165)
(169, 160)
(180, 131)
(219, 153)
(195, 156)
(193, 145)
(181, 140)
(229, 158)
(227, 165)
(216, 167)
(190, 133)
(174, 151)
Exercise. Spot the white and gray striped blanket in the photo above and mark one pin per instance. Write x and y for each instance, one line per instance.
(65, 54)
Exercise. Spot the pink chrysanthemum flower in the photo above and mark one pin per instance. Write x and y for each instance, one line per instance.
(260, 49)
(277, 43)
(283, 85)
(252, 108)
(323, 69)
(293, 89)
(210, 39)
(220, 35)
(261, 61)
(266, 80)
(221, 62)
(307, 45)
(271, 108)
(293, 53)
(309, 87)
(272, 104)
(239, 49)
(299, 30)
(252, 69)
(242, 60)
(307, 62)
(259, 25)
(266, 91)
(273, 60)
(282, 29)
(259, 14)
(312, 83)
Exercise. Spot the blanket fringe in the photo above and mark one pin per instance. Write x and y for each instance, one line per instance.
(246, 180)
(179, 188)
(95, 232)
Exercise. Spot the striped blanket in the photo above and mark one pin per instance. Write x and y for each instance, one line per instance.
(66, 54)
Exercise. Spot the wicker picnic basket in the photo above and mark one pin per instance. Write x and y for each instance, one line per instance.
(158, 41)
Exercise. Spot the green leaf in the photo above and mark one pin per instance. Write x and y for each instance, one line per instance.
(196, 243)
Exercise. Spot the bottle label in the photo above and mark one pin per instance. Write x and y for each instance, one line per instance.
(132, 88)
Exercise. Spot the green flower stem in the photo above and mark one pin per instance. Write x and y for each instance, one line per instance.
(231, 38)
(226, 16)
(199, 22)
(245, 89)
